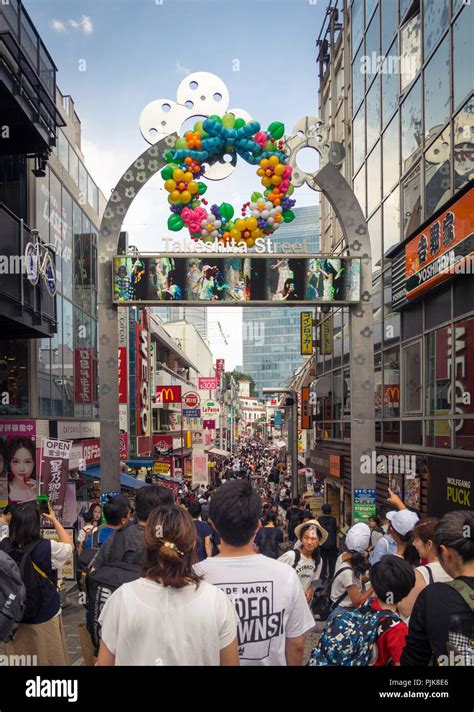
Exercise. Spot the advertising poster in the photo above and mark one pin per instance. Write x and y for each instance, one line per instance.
(191, 423)
(208, 437)
(18, 458)
(68, 571)
(450, 485)
(54, 472)
(197, 437)
(412, 491)
(395, 482)
(364, 505)
(200, 475)
(163, 466)
(162, 445)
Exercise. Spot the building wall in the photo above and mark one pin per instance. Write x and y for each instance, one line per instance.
(193, 345)
(271, 346)
(197, 316)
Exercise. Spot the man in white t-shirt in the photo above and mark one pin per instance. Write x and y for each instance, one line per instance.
(268, 597)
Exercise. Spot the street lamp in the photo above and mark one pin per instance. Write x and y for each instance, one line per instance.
(292, 434)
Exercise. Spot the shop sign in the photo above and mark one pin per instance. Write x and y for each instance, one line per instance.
(168, 394)
(77, 430)
(450, 485)
(364, 505)
(306, 333)
(326, 337)
(207, 384)
(191, 400)
(210, 409)
(220, 370)
(162, 444)
(306, 414)
(326, 464)
(143, 380)
(443, 249)
(54, 472)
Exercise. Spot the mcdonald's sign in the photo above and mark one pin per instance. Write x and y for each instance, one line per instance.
(168, 394)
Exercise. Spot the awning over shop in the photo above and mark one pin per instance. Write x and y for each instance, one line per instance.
(218, 452)
(125, 480)
(140, 462)
(180, 452)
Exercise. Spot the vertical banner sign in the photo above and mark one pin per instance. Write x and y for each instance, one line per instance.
(305, 409)
(326, 337)
(84, 375)
(54, 472)
(306, 333)
(143, 390)
(200, 470)
(220, 370)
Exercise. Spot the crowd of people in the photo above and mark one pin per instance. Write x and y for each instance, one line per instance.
(239, 572)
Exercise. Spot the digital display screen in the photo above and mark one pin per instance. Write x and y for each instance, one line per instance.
(236, 280)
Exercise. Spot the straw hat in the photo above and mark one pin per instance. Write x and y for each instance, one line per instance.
(312, 523)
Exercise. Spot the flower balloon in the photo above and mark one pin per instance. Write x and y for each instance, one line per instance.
(209, 141)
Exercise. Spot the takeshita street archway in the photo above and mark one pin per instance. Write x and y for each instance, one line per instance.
(203, 94)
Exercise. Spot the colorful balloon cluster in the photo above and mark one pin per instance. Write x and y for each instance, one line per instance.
(210, 141)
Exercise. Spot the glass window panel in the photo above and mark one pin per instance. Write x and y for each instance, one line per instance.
(412, 432)
(91, 192)
(464, 434)
(58, 357)
(359, 188)
(338, 396)
(391, 326)
(391, 383)
(438, 433)
(56, 223)
(411, 187)
(389, 19)
(391, 156)
(369, 8)
(372, 41)
(389, 78)
(63, 150)
(68, 358)
(410, 51)
(437, 373)
(438, 173)
(358, 138)
(373, 114)
(391, 431)
(14, 377)
(373, 179)
(83, 180)
(73, 165)
(375, 232)
(435, 20)
(77, 238)
(411, 126)
(378, 386)
(464, 145)
(412, 321)
(67, 244)
(42, 205)
(412, 378)
(404, 5)
(391, 220)
(462, 54)
(461, 347)
(358, 80)
(357, 24)
(437, 81)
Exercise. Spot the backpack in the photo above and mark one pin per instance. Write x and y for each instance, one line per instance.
(328, 522)
(34, 579)
(102, 583)
(349, 638)
(322, 604)
(268, 546)
(459, 643)
(12, 597)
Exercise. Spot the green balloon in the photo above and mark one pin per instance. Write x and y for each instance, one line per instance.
(228, 120)
(269, 146)
(180, 144)
(198, 126)
(214, 117)
(239, 123)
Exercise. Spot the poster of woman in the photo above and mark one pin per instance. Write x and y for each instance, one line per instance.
(22, 483)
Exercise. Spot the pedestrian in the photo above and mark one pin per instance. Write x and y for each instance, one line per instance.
(168, 616)
(269, 537)
(307, 561)
(348, 588)
(375, 523)
(203, 532)
(85, 539)
(402, 524)
(273, 612)
(329, 547)
(385, 545)
(42, 635)
(5, 519)
(294, 516)
(116, 514)
(441, 623)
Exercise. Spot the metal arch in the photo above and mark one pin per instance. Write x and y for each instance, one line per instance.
(308, 132)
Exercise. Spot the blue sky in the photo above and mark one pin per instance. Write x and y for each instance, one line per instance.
(137, 51)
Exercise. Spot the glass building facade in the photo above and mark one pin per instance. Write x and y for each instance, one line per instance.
(271, 335)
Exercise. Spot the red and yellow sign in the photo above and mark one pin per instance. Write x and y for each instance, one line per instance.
(305, 409)
(442, 249)
(168, 394)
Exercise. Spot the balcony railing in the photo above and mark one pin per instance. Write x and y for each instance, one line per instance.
(29, 63)
(31, 304)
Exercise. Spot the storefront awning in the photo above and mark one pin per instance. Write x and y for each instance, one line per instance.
(140, 462)
(218, 452)
(125, 480)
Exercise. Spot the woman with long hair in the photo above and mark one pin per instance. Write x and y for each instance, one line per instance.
(168, 616)
(42, 635)
(22, 484)
(348, 586)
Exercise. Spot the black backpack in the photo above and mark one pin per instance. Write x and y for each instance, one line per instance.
(328, 522)
(102, 583)
(12, 597)
(33, 578)
(322, 604)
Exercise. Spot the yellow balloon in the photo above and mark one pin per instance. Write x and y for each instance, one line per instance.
(170, 185)
(178, 174)
(260, 172)
(266, 182)
(185, 196)
(280, 169)
(240, 225)
(250, 242)
(256, 233)
(274, 160)
(264, 162)
(188, 176)
(252, 223)
(175, 195)
(276, 180)
(235, 234)
(193, 188)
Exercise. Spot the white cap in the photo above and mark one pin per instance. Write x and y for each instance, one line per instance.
(358, 537)
(403, 521)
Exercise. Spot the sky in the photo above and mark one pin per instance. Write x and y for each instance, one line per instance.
(114, 57)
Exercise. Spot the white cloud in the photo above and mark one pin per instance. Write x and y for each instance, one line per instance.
(182, 70)
(85, 23)
(58, 25)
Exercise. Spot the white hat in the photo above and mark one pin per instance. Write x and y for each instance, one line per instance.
(358, 537)
(403, 521)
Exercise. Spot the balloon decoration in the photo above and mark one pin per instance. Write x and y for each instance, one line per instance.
(211, 140)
